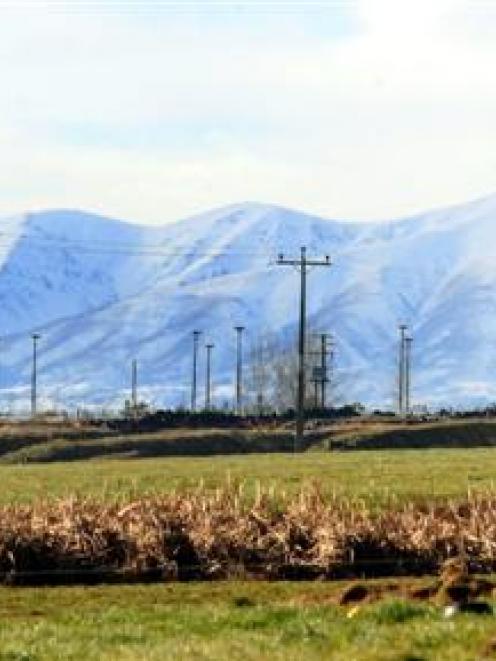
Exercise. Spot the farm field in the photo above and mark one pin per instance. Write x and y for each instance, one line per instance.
(244, 619)
(233, 620)
(378, 477)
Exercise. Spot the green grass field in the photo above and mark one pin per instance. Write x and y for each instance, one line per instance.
(232, 621)
(236, 620)
(376, 476)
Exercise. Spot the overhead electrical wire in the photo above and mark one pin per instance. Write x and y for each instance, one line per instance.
(95, 246)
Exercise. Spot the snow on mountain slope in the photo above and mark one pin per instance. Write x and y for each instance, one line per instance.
(55, 264)
(102, 292)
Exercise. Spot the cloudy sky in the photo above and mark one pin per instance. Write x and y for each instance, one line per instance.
(151, 111)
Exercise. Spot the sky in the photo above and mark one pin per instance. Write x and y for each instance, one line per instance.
(153, 111)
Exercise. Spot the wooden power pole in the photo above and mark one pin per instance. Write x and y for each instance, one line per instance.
(302, 265)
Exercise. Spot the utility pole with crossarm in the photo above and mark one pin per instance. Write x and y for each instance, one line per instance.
(302, 265)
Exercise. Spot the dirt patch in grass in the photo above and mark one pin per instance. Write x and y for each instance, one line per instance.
(361, 592)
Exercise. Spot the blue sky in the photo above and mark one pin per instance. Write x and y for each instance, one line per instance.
(151, 111)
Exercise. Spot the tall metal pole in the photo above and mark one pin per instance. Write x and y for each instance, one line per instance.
(196, 336)
(303, 263)
(134, 385)
(408, 351)
(401, 369)
(34, 375)
(209, 348)
(239, 369)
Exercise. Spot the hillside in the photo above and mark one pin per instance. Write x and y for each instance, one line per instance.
(101, 292)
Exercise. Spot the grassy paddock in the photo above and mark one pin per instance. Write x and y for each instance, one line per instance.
(375, 476)
(229, 621)
(235, 620)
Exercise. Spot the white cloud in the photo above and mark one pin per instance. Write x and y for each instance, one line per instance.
(155, 119)
(400, 18)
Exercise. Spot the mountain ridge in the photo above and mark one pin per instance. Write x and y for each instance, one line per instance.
(103, 291)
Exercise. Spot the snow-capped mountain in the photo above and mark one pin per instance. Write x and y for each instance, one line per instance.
(102, 292)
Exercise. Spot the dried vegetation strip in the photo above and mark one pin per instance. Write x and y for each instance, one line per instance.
(220, 534)
(167, 443)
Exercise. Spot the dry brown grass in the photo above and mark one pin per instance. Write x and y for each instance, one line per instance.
(220, 534)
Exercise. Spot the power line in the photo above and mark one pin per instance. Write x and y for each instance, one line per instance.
(157, 252)
(98, 246)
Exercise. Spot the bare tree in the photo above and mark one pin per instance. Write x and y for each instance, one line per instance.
(258, 385)
(272, 384)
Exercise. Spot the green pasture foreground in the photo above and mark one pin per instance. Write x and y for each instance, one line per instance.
(376, 476)
(242, 620)
(229, 621)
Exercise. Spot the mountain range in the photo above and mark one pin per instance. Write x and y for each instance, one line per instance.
(101, 292)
